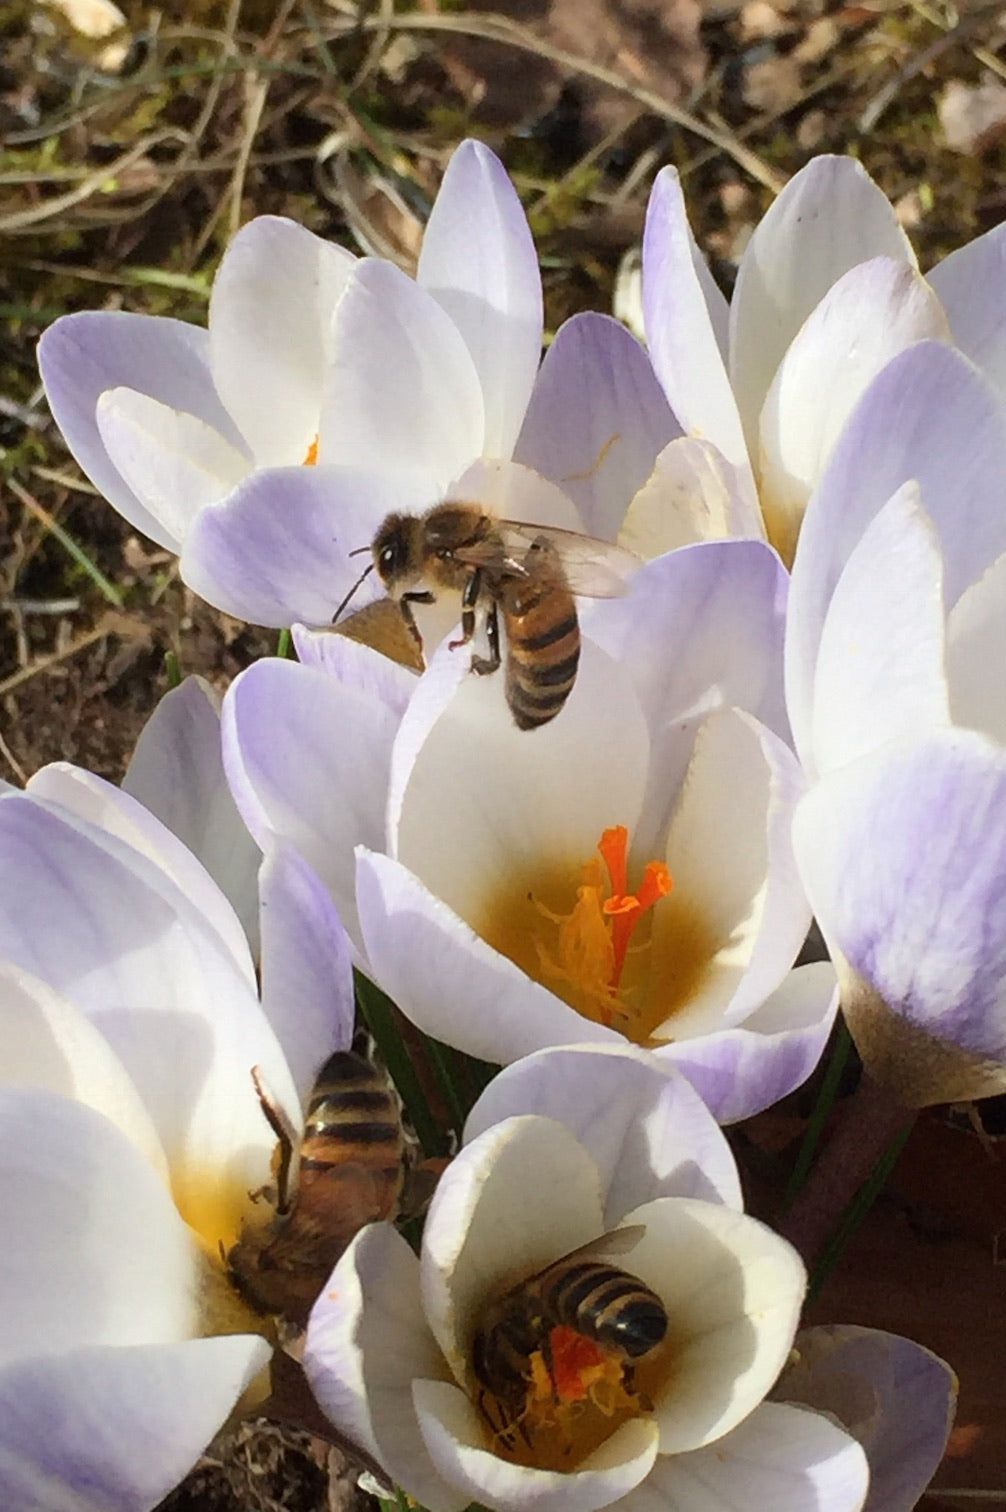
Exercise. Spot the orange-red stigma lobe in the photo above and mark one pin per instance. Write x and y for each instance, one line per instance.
(623, 908)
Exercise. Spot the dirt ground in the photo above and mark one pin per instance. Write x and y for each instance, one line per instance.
(127, 161)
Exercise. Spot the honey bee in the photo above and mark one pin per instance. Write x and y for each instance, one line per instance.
(590, 1297)
(350, 1169)
(528, 575)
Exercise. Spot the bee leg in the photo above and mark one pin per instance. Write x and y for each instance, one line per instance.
(469, 599)
(490, 663)
(286, 1134)
(405, 604)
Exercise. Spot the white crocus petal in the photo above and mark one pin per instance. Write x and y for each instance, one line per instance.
(307, 971)
(880, 664)
(278, 719)
(928, 417)
(95, 1251)
(647, 1130)
(693, 494)
(698, 629)
(402, 389)
(968, 284)
(80, 356)
(733, 1292)
(454, 1434)
(781, 1457)
(96, 919)
(868, 317)
(271, 340)
(115, 1429)
(174, 462)
(480, 1232)
(486, 801)
(366, 1342)
(895, 1397)
(450, 983)
(597, 419)
(679, 329)
(82, 795)
(479, 262)
(737, 900)
(976, 628)
(49, 1044)
(830, 217)
(352, 661)
(740, 1072)
(176, 772)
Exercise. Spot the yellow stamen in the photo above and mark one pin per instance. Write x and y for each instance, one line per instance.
(312, 454)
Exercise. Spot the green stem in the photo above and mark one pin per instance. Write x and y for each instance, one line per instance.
(284, 643)
(855, 1213)
(172, 670)
(822, 1109)
(378, 1012)
(445, 1065)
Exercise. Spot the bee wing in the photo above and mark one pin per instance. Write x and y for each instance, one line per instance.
(620, 1241)
(593, 568)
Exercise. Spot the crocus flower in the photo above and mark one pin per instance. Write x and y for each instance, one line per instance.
(133, 1135)
(623, 872)
(896, 1398)
(896, 704)
(329, 392)
(827, 293)
(621, 1143)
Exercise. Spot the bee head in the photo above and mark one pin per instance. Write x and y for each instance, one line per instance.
(391, 548)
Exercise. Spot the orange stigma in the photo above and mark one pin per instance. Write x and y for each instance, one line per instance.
(312, 454)
(623, 908)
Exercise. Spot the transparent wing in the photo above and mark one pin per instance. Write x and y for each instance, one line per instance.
(592, 568)
(620, 1241)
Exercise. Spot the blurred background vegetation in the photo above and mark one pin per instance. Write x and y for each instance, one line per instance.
(134, 142)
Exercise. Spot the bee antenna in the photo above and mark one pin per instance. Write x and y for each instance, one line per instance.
(365, 573)
(358, 551)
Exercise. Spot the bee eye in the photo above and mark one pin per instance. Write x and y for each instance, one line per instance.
(386, 560)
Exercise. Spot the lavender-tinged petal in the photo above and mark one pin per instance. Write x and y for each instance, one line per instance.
(597, 420)
(114, 1430)
(403, 392)
(176, 772)
(307, 759)
(970, 283)
(271, 312)
(648, 1131)
(903, 855)
(681, 335)
(880, 665)
(739, 1072)
(781, 1457)
(830, 217)
(896, 1398)
(278, 548)
(81, 356)
(307, 970)
(699, 628)
(449, 982)
(479, 262)
(976, 633)
(350, 661)
(928, 417)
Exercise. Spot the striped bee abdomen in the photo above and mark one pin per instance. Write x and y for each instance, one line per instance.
(610, 1306)
(353, 1119)
(543, 640)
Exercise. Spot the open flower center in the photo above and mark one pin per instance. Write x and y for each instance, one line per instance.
(626, 954)
(578, 1393)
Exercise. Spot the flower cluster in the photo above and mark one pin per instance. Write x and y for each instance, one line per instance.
(750, 581)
